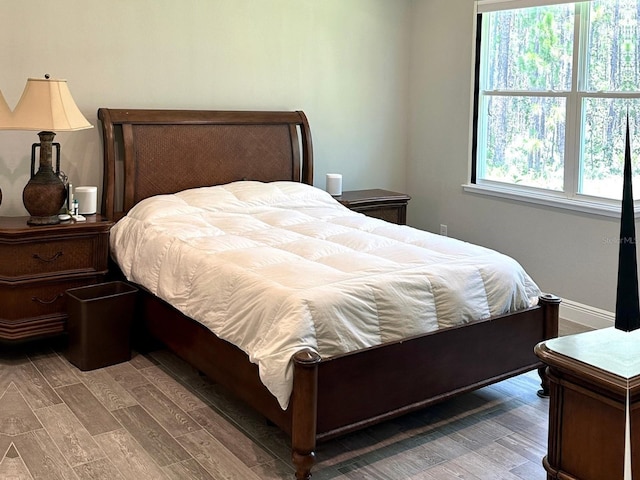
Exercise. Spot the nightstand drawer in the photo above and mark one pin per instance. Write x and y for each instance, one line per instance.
(43, 258)
(390, 213)
(37, 299)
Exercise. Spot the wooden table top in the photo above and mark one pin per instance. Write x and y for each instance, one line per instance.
(607, 353)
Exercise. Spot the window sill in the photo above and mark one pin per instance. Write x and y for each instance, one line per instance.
(537, 198)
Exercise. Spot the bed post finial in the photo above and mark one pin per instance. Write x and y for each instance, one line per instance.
(304, 400)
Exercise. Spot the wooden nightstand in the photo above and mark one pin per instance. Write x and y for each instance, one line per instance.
(383, 204)
(37, 266)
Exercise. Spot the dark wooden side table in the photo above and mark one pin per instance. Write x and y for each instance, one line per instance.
(590, 376)
(383, 204)
(38, 264)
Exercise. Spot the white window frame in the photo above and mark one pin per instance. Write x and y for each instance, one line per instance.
(570, 198)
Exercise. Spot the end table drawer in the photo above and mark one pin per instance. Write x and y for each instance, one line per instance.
(390, 213)
(37, 299)
(42, 258)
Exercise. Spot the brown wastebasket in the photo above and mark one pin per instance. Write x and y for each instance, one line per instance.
(99, 324)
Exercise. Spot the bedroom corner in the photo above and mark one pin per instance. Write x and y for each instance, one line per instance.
(569, 253)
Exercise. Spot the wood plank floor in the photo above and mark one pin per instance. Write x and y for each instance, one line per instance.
(154, 417)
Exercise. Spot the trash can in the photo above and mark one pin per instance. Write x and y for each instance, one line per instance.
(99, 324)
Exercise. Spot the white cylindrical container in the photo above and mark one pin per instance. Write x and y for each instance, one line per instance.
(87, 199)
(334, 184)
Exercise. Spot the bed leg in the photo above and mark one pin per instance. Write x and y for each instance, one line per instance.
(304, 412)
(551, 305)
(544, 383)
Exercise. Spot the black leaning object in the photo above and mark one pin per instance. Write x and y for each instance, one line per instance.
(627, 304)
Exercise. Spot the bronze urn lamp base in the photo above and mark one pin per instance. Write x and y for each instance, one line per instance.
(45, 193)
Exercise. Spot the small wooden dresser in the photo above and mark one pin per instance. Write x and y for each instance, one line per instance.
(383, 204)
(38, 264)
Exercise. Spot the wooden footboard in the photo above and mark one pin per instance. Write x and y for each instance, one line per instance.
(423, 370)
(359, 389)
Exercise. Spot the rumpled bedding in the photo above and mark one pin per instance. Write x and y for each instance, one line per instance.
(275, 268)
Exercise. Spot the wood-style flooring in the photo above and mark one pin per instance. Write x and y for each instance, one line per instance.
(154, 417)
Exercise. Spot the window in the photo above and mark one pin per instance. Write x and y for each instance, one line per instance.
(554, 84)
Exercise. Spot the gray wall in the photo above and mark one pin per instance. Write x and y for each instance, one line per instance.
(345, 63)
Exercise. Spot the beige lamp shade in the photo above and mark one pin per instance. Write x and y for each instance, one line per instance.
(47, 105)
(5, 113)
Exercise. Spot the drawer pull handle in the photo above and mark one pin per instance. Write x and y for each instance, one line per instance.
(48, 260)
(47, 302)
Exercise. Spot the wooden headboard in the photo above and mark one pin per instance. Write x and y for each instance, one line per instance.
(152, 152)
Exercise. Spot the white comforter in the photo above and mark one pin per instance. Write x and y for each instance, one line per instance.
(278, 267)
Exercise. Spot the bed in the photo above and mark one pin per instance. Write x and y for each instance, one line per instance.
(156, 152)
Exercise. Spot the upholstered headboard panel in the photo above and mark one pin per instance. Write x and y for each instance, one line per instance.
(152, 152)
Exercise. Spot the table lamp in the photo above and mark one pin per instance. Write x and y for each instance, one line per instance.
(5, 121)
(5, 113)
(46, 105)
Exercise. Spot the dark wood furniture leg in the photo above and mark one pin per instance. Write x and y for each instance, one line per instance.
(305, 406)
(552, 307)
(544, 383)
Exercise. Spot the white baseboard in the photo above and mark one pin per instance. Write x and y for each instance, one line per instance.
(586, 315)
